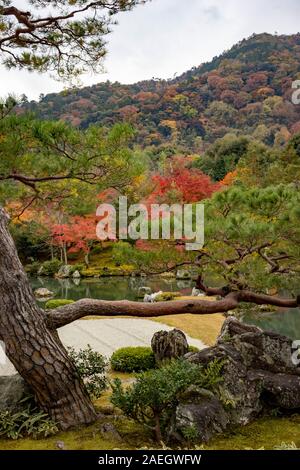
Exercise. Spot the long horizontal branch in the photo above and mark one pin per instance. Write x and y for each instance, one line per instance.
(67, 314)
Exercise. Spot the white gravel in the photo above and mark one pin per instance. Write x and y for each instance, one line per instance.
(105, 336)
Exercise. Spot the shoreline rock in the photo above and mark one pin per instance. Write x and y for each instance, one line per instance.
(258, 375)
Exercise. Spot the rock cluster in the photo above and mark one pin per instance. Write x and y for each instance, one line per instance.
(258, 375)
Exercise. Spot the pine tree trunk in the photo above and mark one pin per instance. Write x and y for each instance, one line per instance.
(33, 348)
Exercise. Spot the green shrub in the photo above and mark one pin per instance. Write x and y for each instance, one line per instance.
(28, 422)
(191, 434)
(91, 272)
(153, 398)
(166, 296)
(51, 267)
(33, 268)
(132, 359)
(91, 367)
(97, 249)
(55, 303)
(193, 349)
(77, 267)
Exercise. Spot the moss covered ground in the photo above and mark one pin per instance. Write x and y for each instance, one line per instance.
(265, 433)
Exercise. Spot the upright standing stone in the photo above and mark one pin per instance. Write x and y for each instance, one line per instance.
(169, 345)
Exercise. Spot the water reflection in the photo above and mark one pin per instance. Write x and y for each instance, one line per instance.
(284, 321)
(109, 288)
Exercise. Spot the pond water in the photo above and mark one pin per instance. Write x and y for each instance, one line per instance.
(286, 322)
(109, 288)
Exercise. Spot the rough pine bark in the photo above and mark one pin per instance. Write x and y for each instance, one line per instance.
(33, 347)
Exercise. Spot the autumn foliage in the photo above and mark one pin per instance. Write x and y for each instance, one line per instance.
(180, 183)
(77, 235)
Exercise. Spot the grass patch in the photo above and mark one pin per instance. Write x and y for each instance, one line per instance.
(203, 327)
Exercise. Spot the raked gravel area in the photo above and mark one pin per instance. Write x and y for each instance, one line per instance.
(105, 336)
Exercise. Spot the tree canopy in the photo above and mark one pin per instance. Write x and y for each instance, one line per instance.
(61, 36)
(35, 154)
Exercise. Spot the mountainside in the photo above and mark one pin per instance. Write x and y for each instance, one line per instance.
(246, 90)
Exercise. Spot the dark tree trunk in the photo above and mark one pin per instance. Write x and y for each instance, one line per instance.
(33, 347)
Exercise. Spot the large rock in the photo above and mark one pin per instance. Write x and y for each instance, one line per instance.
(258, 374)
(200, 409)
(64, 271)
(197, 293)
(183, 275)
(169, 345)
(13, 389)
(43, 293)
(142, 291)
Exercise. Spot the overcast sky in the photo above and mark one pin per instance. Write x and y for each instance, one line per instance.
(166, 37)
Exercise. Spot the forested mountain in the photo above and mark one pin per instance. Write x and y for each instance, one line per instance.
(247, 90)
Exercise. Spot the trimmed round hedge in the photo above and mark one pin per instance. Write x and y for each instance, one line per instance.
(133, 359)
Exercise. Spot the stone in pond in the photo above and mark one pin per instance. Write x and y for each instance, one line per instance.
(183, 274)
(143, 291)
(64, 271)
(43, 292)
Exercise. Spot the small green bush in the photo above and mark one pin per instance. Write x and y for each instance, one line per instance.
(91, 272)
(51, 267)
(191, 434)
(91, 367)
(55, 303)
(28, 422)
(153, 398)
(77, 267)
(97, 249)
(167, 296)
(133, 359)
(33, 268)
(193, 349)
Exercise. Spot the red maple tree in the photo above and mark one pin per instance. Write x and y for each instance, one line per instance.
(182, 184)
(77, 235)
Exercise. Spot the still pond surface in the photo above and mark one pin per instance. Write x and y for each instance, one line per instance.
(286, 322)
